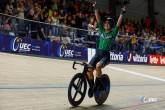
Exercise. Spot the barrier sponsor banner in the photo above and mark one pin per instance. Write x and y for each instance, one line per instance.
(126, 57)
(25, 45)
(162, 60)
(154, 59)
(71, 51)
(4, 41)
(31, 46)
(157, 60)
(117, 57)
(129, 57)
(140, 58)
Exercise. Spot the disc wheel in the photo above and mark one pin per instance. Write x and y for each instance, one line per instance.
(102, 95)
(77, 89)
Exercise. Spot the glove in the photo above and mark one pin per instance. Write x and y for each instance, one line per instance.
(123, 10)
(95, 7)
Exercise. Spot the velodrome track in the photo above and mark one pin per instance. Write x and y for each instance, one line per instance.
(33, 83)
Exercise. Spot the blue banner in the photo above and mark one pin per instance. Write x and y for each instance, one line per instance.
(140, 58)
(125, 57)
(24, 45)
(31, 46)
(71, 51)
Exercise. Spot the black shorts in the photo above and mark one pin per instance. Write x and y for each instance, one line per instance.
(101, 57)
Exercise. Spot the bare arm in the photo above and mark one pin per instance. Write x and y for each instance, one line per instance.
(119, 21)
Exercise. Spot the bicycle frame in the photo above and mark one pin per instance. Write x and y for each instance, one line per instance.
(85, 70)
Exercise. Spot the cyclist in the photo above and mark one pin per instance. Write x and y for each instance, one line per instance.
(102, 56)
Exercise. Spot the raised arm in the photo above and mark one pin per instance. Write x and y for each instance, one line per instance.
(97, 15)
(120, 17)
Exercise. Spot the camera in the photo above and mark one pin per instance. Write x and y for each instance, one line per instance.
(125, 2)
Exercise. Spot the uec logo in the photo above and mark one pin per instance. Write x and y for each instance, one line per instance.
(17, 44)
(146, 99)
(64, 52)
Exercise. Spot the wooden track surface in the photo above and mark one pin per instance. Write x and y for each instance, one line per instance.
(32, 83)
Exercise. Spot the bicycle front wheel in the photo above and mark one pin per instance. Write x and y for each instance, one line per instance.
(77, 89)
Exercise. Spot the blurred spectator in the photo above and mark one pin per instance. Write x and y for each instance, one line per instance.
(28, 7)
(91, 26)
(145, 32)
(76, 6)
(50, 12)
(79, 20)
(62, 16)
(148, 22)
(69, 21)
(73, 22)
(37, 8)
(71, 8)
(32, 25)
(77, 13)
(45, 15)
(20, 14)
(46, 29)
(55, 5)
(5, 26)
(55, 22)
(10, 7)
(63, 6)
(96, 26)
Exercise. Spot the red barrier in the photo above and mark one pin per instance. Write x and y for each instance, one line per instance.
(156, 60)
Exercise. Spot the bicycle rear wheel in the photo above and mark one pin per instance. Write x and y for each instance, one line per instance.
(77, 89)
(102, 95)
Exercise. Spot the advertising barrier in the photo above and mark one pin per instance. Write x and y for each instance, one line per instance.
(117, 57)
(71, 51)
(25, 45)
(68, 51)
(139, 59)
(125, 57)
(30, 46)
(157, 60)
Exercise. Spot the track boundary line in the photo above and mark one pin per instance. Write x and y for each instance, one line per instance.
(136, 73)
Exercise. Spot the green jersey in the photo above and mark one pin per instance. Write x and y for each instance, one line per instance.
(106, 38)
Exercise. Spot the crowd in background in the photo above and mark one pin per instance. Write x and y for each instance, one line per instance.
(78, 14)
